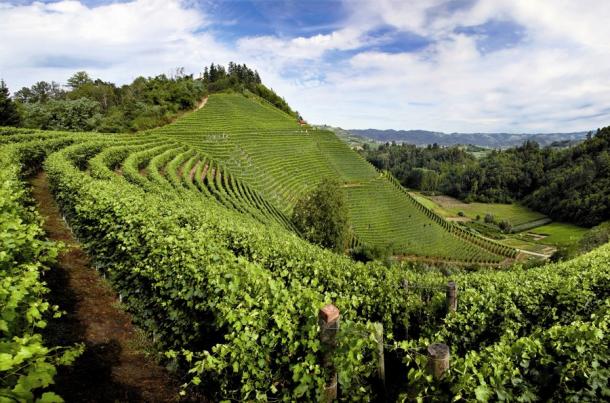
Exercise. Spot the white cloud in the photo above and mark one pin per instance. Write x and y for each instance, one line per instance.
(118, 41)
(556, 78)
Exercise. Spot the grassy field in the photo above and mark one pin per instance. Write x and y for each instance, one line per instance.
(541, 239)
(450, 207)
(560, 234)
(531, 246)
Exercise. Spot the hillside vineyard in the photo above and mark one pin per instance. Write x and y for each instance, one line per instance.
(190, 223)
(250, 143)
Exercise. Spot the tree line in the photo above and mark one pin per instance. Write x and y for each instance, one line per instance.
(570, 184)
(241, 78)
(88, 104)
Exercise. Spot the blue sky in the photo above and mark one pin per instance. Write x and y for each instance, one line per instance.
(449, 65)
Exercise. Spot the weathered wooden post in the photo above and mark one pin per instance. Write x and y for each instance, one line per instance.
(451, 296)
(438, 359)
(328, 319)
(381, 360)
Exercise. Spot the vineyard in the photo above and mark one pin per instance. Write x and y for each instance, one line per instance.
(190, 224)
(260, 146)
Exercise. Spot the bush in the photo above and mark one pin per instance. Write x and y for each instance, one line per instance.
(322, 216)
(368, 253)
(505, 226)
(598, 236)
(489, 218)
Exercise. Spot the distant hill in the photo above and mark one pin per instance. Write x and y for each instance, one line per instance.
(494, 140)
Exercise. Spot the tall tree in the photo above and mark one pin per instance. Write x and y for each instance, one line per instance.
(78, 79)
(9, 115)
(322, 216)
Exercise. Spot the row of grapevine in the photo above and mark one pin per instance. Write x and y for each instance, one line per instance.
(493, 246)
(28, 364)
(235, 301)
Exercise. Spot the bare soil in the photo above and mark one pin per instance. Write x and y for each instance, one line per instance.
(113, 366)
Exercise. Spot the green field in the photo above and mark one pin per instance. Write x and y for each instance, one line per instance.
(550, 235)
(560, 234)
(515, 213)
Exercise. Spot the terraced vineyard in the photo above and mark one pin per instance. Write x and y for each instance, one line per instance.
(263, 150)
(213, 273)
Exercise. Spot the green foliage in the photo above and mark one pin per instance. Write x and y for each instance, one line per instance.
(79, 79)
(365, 253)
(75, 115)
(255, 143)
(233, 301)
(41, 92)
(489, 218)
(422, 168)
(597, 236)
(505, 226)
(27, 365)
(570, 184)
(241, 78)
(9, 115)
(102, 106)
(322, 216)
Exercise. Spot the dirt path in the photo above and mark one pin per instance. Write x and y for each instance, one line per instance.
(202, 103)
(113, 367)
(527, 252)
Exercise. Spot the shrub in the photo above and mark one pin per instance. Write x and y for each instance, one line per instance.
(489, 218)
(322, 216)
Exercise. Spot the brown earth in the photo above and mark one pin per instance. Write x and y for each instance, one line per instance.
(113, 367)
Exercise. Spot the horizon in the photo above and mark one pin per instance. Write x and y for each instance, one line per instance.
(459, 66)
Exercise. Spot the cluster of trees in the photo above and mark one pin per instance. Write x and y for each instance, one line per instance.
(422, 168)
(87, 104)
(566, 184)
(241, 78)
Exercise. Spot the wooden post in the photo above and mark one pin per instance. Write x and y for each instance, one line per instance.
(381, 360)
(328, 319)
(451, 296)
(405, 285)
(438, 359)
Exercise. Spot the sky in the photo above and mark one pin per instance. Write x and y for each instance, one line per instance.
(444, 65)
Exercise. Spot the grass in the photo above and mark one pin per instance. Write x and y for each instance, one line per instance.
(560, 234)
(555, 234)
(528, 245)
(449, 207)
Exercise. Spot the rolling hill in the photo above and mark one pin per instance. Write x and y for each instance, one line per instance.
(245, 141)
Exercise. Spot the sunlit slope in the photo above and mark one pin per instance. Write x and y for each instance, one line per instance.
(266, 149)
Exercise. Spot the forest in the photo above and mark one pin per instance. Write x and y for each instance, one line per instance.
(91, 104)
(567, 184)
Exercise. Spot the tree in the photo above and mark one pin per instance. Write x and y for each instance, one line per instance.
(322, 216)
(9, 115)
(78, 79)
(42, 91)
